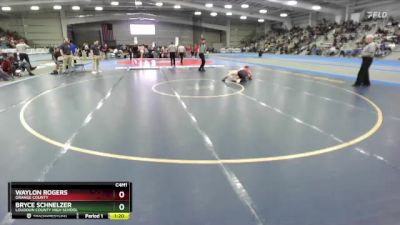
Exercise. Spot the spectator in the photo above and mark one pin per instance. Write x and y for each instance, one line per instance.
(104, 51)
(96, 57)
(58, 63)
(8, 67)
(21, 66)
(65, 50)
(172, 53)
(21, 50)
(181, 51)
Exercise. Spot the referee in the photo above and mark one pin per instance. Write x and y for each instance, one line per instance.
(367, 57)
(172, 53)
(202, 51)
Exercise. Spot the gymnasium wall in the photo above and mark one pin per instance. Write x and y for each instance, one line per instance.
(165, 33)
(214, 37)
(240, 31)
(44, 29)
(85, 33)
(41, 29)
(303, 20)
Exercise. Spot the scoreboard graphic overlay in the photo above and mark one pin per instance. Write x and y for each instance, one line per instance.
(70, 200)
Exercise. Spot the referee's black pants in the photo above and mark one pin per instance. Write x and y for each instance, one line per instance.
(25, 56)
(172, 56)
(181, 55)
(363, 74)
(203, 61)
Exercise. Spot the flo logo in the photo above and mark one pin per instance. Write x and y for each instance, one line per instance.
(377, 15)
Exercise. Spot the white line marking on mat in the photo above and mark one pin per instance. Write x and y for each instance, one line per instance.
(234, 181)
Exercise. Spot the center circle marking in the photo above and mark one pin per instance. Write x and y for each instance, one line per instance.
(369, 133)
(154, 88)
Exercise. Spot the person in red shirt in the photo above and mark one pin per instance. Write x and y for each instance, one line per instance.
(189, 50)
(3, 75)
(13, 67)
(8, 66)
(104, 50)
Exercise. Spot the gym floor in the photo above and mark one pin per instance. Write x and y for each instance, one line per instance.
(288, 148)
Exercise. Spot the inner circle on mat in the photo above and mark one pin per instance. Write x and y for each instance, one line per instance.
(109, 153)
(197, 88)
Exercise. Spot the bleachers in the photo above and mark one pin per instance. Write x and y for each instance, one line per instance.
(329, 38)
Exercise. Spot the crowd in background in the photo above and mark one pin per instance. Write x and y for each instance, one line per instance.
(8, 39)
(14, 64)
(329, 38)
(325, 38)
(66, 55)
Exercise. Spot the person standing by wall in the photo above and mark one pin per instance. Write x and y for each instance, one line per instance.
(104, 51)
(181, 51)
(367, 54)
(96, 57)
(196, 50)
(135, 50)
(172, 53)
(65, 50)
(130, 51)
(202, 51)
(191, 49)
(21, 50)
(87, 49)
(141, 51)
(73, 49)
(55, 57)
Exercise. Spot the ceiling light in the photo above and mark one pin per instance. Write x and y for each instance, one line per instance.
(316, 7)
(209, 5)
(243, 17)
(263, 11)
(229, 13)
(114, 3)
(57, 7)
(35, 8)
(142, 18)
(177, 6)
(197, 13)
(98, 8)
(138, 3)
(213, 14)
(159, 4)
(244, 6)
(6, 8)
(228, 6)
(284, 15)
(291, 3)
(261, 20)
(75, 8)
